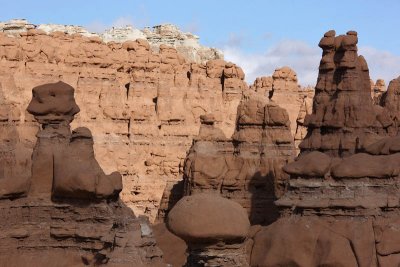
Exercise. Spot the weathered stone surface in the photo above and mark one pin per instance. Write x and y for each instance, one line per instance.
(377, 90)
(283, 88)
(186, 44)
(343, 196)
(248, 167)
(143, 108)
(344, 119)
(214, 228)
(67, 211)
(390, 101)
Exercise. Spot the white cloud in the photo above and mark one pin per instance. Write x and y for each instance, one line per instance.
(298, 55)
(382, 64)
(304, 59)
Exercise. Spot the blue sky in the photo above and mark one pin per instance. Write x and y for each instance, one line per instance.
(257, 35)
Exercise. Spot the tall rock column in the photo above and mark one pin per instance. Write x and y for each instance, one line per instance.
(344, 119)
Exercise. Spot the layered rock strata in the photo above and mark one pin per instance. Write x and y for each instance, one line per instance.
(283, 88)
(248, 167)
(377, 90)
(142, 107)
(186, 43)
(67, 212)
(391, 102)
(214, 228)
(342, 203)
(344, 119)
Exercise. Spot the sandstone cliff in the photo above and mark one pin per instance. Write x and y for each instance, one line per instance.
(143, 107)
(63, 210)
(184, 42)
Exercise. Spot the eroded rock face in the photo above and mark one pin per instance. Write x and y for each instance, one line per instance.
(390, 100)
(248, 167)
(67, 212)
(283, 88)
(342, 202)
(214, 228)
(344, 119)
(377, 90)
(186, 43)
(143, 108)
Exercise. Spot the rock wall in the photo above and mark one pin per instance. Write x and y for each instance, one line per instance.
(63, 210)
(283, 88)
(378, 88)
(186, 43)
(342, 203)
(143, 107)
(344, 119)
(246, 168)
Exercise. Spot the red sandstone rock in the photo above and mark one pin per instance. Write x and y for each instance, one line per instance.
(248, 167)
(341, 202)
(141, 106)
(344, 119)
(69, 208)
(213, 227)
(208, 218)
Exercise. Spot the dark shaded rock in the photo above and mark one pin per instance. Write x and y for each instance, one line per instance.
(214, 228)
(68, 213)
(248, 167)
(313, 164)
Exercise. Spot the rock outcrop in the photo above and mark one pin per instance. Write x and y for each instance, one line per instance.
(248, 167)
(344, 119)
(214, 228)
(377, 90)
(283, 88)
(143, 107)
(187, 44)
(67, 212)
(342, 203)
(390, 101)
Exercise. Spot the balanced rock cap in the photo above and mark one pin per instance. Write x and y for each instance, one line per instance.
(208, 218)
(53, 98)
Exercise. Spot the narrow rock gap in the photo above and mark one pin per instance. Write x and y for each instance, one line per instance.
(155, 103)
(129, 128)
(127, 89)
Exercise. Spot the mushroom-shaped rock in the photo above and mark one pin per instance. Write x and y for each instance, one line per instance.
(207, 119)
(53, 102)
(208, 218)
(214, 228)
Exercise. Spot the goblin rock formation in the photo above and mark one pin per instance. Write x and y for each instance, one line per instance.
(143, 107)
(283, 88)
(344, 119)
(67, 212)
(339, 211)
(248, 167)
(70, 157)
(214, 228)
